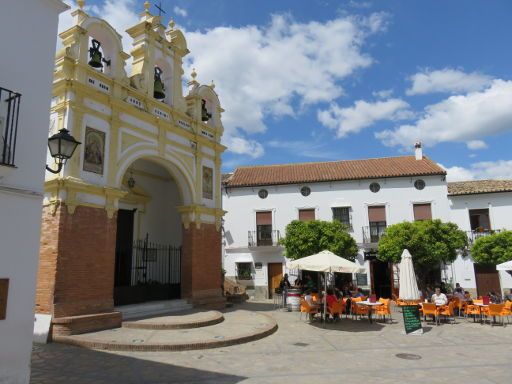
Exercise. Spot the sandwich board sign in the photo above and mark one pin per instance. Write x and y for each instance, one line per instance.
(412, 321)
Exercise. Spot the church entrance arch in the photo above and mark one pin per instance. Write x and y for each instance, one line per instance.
(149, 234)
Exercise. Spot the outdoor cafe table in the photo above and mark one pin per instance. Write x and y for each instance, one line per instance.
(370, 307)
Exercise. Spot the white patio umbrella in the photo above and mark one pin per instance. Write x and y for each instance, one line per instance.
(506, 266)
(326, 262)
(408, 283)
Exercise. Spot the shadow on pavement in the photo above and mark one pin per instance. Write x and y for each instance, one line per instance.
(349, 325)
(58, 364)
(256, 306)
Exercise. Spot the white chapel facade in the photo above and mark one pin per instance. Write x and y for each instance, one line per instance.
(135, 214)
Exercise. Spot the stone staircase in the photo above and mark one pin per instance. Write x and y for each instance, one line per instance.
(152, 308)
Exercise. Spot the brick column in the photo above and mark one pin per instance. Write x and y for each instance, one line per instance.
(201, 266)
(76, 268)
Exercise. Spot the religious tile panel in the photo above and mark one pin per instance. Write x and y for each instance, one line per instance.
(207, 182)
(94, 150)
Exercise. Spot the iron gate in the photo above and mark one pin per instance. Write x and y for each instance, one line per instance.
(147, 271)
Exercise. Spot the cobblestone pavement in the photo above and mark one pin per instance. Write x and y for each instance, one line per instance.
(348, 351)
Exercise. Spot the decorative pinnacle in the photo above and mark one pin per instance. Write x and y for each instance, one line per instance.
(81, 3)
(147, 5)
(171, 24)
(193, 74)
(212, 85)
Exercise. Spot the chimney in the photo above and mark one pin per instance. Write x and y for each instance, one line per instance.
(418, 151)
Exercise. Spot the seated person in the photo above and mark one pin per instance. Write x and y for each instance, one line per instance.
(467, 297)
(309, 298)
(358, 293)
(459, 294)
(439, 298)
(494, 298)
(508, 296)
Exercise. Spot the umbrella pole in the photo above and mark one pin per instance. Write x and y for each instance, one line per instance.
(325, 298)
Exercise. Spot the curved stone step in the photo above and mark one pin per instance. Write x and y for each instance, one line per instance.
(238, 327)
(185, 321)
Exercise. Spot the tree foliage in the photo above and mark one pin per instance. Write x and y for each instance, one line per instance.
(430, 242)
(493, 249)
(310, 237)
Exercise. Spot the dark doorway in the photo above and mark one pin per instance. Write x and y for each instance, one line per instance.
(381, 279)
(124, 241)
(487, 279)
(275, 274)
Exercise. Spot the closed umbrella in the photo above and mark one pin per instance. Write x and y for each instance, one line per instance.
(408, 283)
(326, 262)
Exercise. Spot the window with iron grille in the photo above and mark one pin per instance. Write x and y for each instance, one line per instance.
(342, 214)
(9, 113)
(244, 271)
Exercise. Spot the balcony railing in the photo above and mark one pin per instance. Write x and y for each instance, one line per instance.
(372, 234)
(9, 112)
(475, 234)
(262, 238)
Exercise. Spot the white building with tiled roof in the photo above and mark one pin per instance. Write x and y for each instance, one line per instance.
(367, 195)
(480, 207)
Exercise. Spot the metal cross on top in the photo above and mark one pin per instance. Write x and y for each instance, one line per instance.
(159, 7)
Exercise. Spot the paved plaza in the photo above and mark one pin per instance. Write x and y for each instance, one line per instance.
(348, 351)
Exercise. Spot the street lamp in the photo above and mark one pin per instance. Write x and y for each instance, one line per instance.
(62, 146)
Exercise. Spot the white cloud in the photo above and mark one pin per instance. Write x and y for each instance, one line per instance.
(383, 94)
(315, 149)
(476, 144)
(244, 147)
(120, 14)
(501, 169)
(362, 115)
(180, 11)
(463, 118)
(447, 80)
(281, 68)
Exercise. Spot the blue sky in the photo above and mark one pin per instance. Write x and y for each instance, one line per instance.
(322, 80)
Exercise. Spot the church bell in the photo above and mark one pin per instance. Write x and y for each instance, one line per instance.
(205, 115)
(158, 89)
(95, 54)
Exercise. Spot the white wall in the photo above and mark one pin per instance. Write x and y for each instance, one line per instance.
(397, 194)
(27, 68)
(500, 212)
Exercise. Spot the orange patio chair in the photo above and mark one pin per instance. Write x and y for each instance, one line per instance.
(472, 310)
(495, 310)
(507, 310)
(358, 310)
(384, 309)
(446, 311)
(307, 309)
(336, 308)
(429, 309)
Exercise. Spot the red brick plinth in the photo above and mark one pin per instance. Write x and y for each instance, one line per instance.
(201, 266)
(76, 269)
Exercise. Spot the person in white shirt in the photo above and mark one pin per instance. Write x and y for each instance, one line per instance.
(439, 298)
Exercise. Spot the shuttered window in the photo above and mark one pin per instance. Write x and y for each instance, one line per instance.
(264, 218)
(377, 214)
(422, 212)
(306, 214)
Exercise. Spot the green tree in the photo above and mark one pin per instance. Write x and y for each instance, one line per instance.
(310, 237)
(493, 249)
(430, 242)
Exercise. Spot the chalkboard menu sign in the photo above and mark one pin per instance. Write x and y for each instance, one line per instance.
(412, 321)
(361, 279)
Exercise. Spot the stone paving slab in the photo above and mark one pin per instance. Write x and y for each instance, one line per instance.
(299, 352)
(184, 320)
(239, 327)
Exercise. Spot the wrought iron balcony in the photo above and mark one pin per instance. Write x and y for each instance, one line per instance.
(262, 238)
(476, 233)
(9, 112)
(372, 234)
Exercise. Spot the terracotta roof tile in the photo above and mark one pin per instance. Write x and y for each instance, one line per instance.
(479, 186)
(334, 171)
